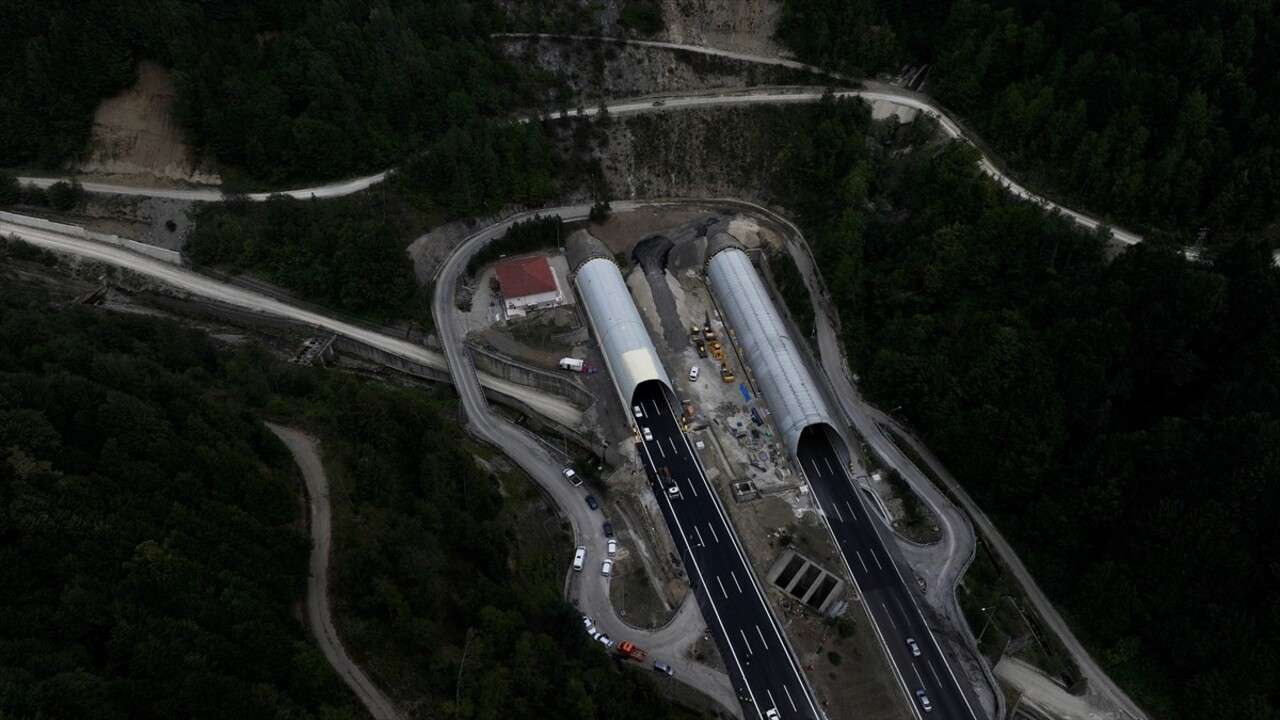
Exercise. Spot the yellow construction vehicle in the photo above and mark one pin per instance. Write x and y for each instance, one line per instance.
(726, 373)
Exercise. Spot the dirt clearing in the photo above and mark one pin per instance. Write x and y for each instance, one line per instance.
(135, 135)
(745, 26)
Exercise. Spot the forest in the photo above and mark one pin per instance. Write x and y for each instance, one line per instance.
(1162, 115)
(149, 530)
(338, 253)
(1118, 419)
(154, 550)
(274, 91)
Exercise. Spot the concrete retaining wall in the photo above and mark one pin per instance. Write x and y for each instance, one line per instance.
(561, 384)
(150, 251)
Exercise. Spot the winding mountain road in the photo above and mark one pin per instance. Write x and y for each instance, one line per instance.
(306, 454)
(952, 555)
(774, 96)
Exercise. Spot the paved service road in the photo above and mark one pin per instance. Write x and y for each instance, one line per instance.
(885, 593)
(759, 659)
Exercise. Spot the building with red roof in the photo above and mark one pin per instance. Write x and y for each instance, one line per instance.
(526, 284)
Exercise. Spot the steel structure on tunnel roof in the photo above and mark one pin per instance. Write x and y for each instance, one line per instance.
(781, 376)
(628, 350)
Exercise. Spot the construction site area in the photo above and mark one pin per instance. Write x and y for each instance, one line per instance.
(723, 415)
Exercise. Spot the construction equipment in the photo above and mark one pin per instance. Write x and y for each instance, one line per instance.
(702, 349)
(717, 352)
(695, 332)
(628, 649)
(726, 373)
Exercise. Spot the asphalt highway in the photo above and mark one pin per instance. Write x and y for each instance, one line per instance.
(757, 655)
(885, 594)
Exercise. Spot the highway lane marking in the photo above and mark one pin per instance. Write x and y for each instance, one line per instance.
(793, 702)
(851, 512)
(694, 487)
(762, 640)
(673, 446)
(864, 562)
(816, 471)
(734, 575)
(722, 590)
(701, 542)
(837, 509)
(743, 633)
(935, 674)
(916, 670)
(702, 580)
(664, 452)
(712, 528)
(886, 614)
(772, 703)
(742, 558)
(829, 468)
(875, 557)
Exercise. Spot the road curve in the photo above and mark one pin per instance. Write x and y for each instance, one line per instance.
(588, 588)
(553, 408)
(307, 455)
(1099, 682)
(893, 96)
(958, 532)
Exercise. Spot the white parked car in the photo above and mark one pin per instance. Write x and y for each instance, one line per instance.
(606, 568)
(571, 476)
(611, 548)
(579, 557)
(647, 433)
(602, 639)
(693, 373)
(637, 411)
(589, 624)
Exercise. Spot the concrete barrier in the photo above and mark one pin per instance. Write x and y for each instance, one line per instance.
(150, 251)
(170, 256)
(561, 384)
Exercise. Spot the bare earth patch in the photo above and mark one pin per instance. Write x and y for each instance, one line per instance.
(745, 26)
(135, 135)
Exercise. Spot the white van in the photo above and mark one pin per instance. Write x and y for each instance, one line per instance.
(579, 557)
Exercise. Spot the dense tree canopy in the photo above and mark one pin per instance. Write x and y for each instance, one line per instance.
(1120, 420)
(149, 537)
(1159, 113)
(283, 90)
(339, 253)
(153, 554)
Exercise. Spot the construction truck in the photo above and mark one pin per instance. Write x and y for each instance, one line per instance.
(717, 352)
(695, 332)
(726, 373)
(629, 650)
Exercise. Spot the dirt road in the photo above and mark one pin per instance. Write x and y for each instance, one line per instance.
(307, 455)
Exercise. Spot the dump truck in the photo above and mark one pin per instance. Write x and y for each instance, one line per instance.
(717, 352)
(629, 650)
(726, 373)
(695, 332)
(702, 349)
